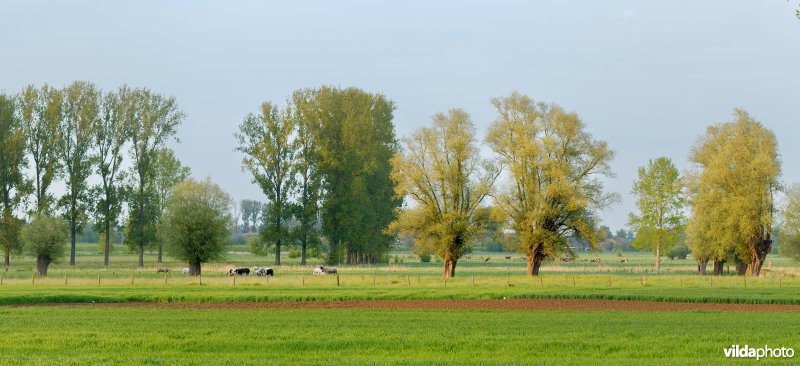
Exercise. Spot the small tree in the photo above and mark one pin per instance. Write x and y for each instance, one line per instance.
(789, 235)
(660, 222)
(195, 223)
(45, 238)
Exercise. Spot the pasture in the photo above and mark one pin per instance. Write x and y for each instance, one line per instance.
(172, 334)
(138, 336)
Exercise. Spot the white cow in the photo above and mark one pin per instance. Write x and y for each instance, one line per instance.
(185, 270)
(319, 271)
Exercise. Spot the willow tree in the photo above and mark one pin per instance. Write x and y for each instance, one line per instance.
(265, 140)
(660, 200)
(555, 170)
(196, 222)
(12, 180)
(732, 193)
(44, 239)
(75, 142)
(440, 170)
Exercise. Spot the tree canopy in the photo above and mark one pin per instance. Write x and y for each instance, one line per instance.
(45, 239)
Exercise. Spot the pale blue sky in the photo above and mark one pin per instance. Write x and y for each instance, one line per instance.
(648, 77)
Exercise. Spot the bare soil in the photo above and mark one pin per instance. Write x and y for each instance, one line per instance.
(490, 305)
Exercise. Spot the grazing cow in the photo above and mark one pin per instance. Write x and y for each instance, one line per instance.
(162, 269)
(318, 271)
(624, 260)
(263, 271)
(185, 270)
(486, 260)
(239, 272)
(595, 260)
(509, 258)
(567, 259)
(329, 270)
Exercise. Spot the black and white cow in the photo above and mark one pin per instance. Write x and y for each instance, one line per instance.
(239, 272)
(263, 271)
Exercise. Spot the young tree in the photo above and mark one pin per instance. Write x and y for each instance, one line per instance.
(195, 223)
(45, 238)
(168, 172)
(265, 140)
(76, 133)
(112, 133)
(41, 113)
(659, 225)
(441, 171)
(155, 120)
(732, 193)
(12, 181)
(555, 168)
(790, 234)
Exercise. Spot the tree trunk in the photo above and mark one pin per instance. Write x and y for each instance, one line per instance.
(194, 269)
(107, 244)
(141, 220)
(42, 262)
(702, 264)
(762, 248)
(450, 268)
(658, 258)
(7, 262)
(534, 263)
(303, 250)
(278, 253)
(741, 268)
(719, 267)
(160, 246)
(72, 230)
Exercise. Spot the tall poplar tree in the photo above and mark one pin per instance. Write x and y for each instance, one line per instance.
(265, 140)
(41, 114)
(12, 179)
(75, 141)
(155, 122)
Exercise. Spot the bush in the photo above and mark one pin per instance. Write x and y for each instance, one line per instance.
(425, 258)
(294, 254)
(679, 252)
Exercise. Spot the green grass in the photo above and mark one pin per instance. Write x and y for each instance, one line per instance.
(136, 336)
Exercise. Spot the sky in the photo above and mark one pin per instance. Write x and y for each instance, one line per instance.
(647, 77)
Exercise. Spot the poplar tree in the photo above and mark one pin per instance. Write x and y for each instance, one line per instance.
(660, 222)
(12, 180)
(41, 114)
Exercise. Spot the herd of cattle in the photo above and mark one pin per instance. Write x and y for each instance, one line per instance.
(258, 271)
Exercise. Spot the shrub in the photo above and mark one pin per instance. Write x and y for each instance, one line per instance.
(679, 252)
(425, 257)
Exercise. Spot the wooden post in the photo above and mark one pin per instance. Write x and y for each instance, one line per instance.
(234, 280)
(131, 279)
(98, 280)
(200, 278)
(712, 280)
(445, 281)
(337, 280)
(641, 280)
(165, 278)
(33, 279)
(573, 281)
(508, 282)
(65, 280)
(473, 280)
(609, 281)
(373, 279)
(541, 281)
(408, 278)
(780, 277)
(744, 278)
(304, 281)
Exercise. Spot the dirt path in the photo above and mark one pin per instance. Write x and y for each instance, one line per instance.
(510, 304)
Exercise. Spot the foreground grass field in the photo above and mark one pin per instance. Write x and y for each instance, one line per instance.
(136, 336)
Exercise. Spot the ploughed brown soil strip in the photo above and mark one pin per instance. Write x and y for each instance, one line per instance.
(501, 305)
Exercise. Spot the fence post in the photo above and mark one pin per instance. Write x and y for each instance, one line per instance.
(780, 277)
(33, 279)
(200, 278)
(508, 282)
(65, 280)
(131, 278)
(165, 278)
(98, 280)
(408, 278)
(337, 280)
(541, 281)
(304, 280)
(473, 280)
(573, 281)
(641, 280)
(609, 281)
(234, 280)
(744, 278)
(373, 280)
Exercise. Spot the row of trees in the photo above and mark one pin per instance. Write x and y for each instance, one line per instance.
(69, 134)
(325, 156)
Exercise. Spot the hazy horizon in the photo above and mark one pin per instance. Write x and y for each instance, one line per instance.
(647, 79)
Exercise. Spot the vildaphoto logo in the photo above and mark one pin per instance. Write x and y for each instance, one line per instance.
(758, 353)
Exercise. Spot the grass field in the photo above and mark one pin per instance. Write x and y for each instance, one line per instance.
(62, 335)
(80, 336)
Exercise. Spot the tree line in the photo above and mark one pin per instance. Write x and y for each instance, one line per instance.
(70, 134)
